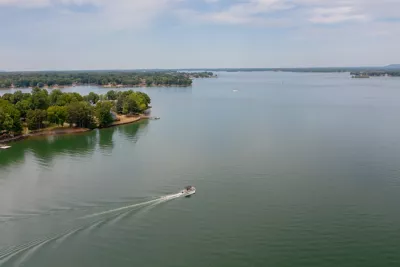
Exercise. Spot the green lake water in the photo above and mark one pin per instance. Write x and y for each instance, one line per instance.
(292, 169)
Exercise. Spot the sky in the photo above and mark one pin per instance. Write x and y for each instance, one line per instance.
(136, 34)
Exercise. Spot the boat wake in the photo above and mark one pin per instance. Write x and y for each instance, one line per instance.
(130, 207)
(28, 249)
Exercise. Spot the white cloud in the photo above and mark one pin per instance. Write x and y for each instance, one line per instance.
(335, 15)
(114, 14)
(299, 12)
(130, 14)
(324, 11)
(252, 12)
(26, 3)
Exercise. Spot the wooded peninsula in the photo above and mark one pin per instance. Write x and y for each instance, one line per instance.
(99, 78)
(27, 113)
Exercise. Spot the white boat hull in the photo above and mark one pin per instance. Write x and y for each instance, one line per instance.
(186, 193)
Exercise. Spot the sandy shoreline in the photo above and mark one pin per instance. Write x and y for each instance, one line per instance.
(72, 130)
(123, 119)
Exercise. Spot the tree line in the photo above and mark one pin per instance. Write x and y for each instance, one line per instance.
(121, 78)
(40, 108)
(376, 73)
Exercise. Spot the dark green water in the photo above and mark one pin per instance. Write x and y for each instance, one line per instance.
(290, 170)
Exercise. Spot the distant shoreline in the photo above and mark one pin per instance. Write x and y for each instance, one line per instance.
(102, 79)
(94, 85)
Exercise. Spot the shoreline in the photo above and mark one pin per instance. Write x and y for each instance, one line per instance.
(123, 120)
(96, 85)
(110, 86)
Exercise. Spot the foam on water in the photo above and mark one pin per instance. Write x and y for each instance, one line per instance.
(155, 201)
(28, 249)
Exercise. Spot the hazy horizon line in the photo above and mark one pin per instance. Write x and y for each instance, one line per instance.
(206, 68)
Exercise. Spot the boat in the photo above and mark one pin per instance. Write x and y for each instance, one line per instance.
(188, 191)
(155, 118)
(4, 147)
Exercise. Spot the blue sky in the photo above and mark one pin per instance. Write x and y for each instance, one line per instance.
(129, 34)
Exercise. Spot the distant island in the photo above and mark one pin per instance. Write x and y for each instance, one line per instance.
(393, 66)
(361, 72)
(99, 78)
(360, 75)
(375, 73)
(43, 113)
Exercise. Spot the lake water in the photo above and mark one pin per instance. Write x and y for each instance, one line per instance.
(292, 169)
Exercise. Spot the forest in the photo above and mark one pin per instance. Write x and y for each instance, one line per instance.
(40, 109)
(99, 78)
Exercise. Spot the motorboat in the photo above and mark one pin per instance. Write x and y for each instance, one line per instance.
(188, 191)
(4, 147)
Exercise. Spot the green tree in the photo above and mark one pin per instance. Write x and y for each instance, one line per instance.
(9, 118)
(130, 104)
(67, 98)
(76, 97)
(35, 119)
(57, 115)
(80, 114)
(24, 106)
(147, 99)
(120, 100)
(103, 113)
(142, 100)
(55, 98)
(119, 104)
(5, 84)
(17, 97)
(93, 98)
(8, 97)
(111, 95)
(40, 99)
(102, 98)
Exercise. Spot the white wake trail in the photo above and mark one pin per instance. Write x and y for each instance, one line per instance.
(155, 201)
(31, 247)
